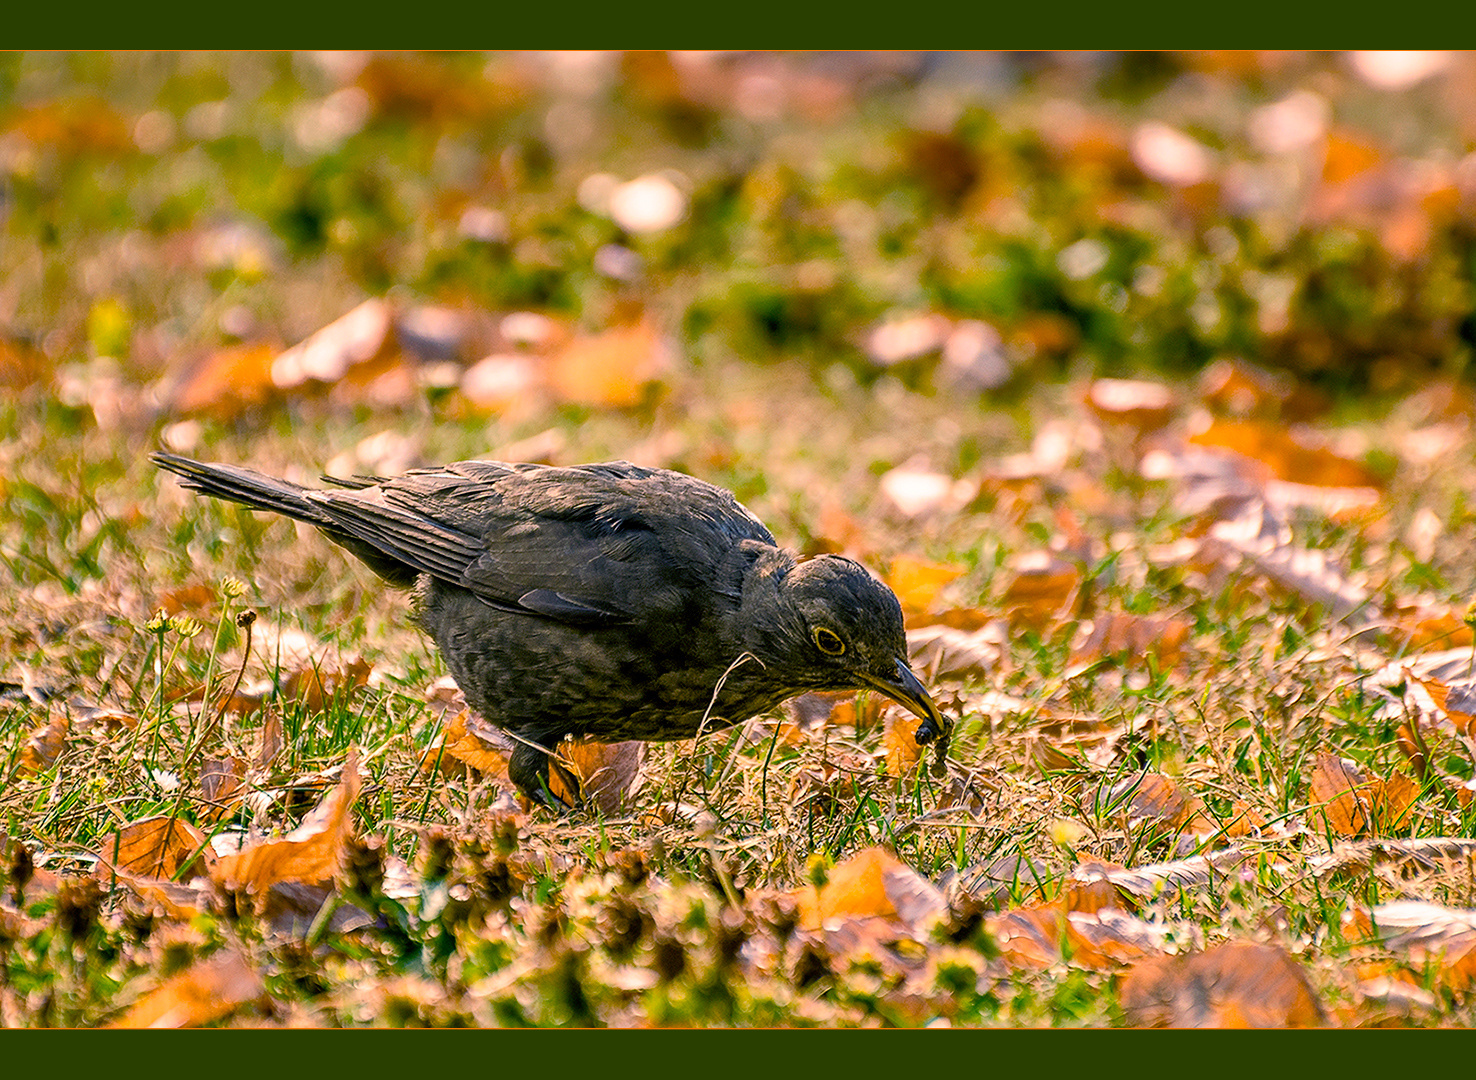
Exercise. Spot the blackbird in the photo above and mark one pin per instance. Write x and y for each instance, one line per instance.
(611, 601)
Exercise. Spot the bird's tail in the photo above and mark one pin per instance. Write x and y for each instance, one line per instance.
(254, 489)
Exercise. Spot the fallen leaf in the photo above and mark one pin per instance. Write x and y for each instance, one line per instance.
(359, 337)
(162, 847)
(1134, 637)
(1041, 589)
(917, 582)
(45, 744)
(1239, 984)
(226, 382)
(870, 884)
(1336, 792)
(309, 854)
(617, 368)
(606, 772)
(1292, 456)
(1133, 403)
(207, 991)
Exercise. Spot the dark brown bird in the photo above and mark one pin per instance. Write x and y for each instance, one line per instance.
(609, 601)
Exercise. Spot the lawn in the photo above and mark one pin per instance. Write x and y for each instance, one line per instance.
(1141, 379)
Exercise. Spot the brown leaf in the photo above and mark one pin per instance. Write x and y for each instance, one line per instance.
(870, 884)
(1153, 798)
(208, 991)
(360, 337)
(940, 652)
(221, 783)
(1042, 589)
(1426, 933)
(270, 741)
(917, 582)
(177, 900)
(465, 742)
(1042, 935)
(1290, 456)
(309, 854)
(900, 742)
(1239, 984)
(1133, 637)
(617, 368)
(1241, 389)
(1133, 403)
(1454, 697)
(1351, 804)
(161, 847)
(226, 382)
(606, 772)
(45, 744)
(1337, 793)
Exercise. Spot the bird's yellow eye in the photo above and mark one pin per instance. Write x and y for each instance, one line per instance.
(829, 642)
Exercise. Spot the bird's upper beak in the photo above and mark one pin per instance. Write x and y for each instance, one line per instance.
(905, 689)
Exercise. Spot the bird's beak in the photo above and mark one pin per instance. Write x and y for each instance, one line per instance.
(907, 691)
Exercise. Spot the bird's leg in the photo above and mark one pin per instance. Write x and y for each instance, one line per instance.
(528, 768)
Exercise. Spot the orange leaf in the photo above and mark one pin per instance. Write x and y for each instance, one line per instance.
(917, 582)
(870, 884)
(45, 744)
(461, 743)
(1337, 792)
(1041, 590)
(1289, 456)
(309, 854)
(615, 368)
(162, 847)
(208, 991)
(1133, 636)
(227, 381)
(900, 742)
(1236, 985)
(606, 772)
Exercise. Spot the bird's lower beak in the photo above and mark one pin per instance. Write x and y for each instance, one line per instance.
(907, 691)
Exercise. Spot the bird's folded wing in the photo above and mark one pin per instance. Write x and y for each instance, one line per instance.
(582, 568)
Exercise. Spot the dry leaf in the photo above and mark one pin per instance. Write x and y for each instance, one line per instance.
(1291, 456)
(208, 991)
(900, 742)
(1337, 792)
(161, 847)
(617, 368)
(917, 582)
(1134, 403)
(1133, 637)
(309, 854)
(360, 337)
(1042, 589)
(226, 382)
(870, 884)
(942, 652)
(606, 772)
(1240, 984)
(45, 744)
(474, 745)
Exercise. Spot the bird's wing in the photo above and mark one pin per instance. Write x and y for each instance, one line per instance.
(589, 544)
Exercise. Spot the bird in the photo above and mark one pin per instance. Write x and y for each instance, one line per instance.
(610, 601)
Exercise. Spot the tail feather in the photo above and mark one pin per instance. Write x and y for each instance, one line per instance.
(254, 489)
(261, 492)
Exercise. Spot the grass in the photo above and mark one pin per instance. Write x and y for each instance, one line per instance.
(126, 603)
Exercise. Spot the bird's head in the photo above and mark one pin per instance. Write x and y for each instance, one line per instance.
(834, 626)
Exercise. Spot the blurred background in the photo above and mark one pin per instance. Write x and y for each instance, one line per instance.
(216, 238)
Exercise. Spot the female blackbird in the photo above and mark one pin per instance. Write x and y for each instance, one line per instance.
(610, 601)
